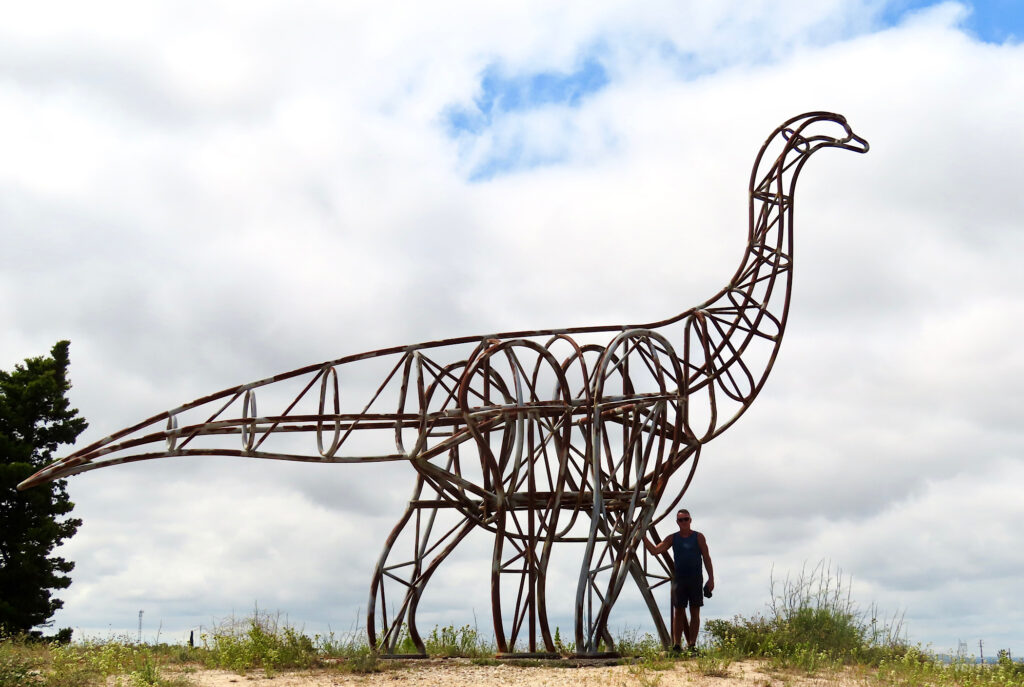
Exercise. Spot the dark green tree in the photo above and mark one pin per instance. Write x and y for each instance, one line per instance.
(35, 418)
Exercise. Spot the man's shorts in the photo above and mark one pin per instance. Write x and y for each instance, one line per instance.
(688, 591)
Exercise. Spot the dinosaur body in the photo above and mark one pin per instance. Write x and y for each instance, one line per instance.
(538, 437)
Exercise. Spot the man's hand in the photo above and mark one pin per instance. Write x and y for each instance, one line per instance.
(657, 549)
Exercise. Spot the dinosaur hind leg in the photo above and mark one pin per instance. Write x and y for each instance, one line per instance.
(519, 569)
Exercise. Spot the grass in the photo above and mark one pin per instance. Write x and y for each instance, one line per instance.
(917, 668)
(713, 664)
(25, 663)
(812, 627)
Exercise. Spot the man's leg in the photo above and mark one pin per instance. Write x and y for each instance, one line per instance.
(679, 624)
(693, 627)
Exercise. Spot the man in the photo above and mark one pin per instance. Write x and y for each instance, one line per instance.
(689, 550)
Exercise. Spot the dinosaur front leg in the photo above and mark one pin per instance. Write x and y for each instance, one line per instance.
(609, 559)
(403, 570)
(650, 572)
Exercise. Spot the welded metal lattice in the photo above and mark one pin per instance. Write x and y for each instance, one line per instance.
(537, 437)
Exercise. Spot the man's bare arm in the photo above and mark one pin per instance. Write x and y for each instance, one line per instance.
(660, 548)
(707, 561)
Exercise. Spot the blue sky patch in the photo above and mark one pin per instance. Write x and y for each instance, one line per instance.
(992, 21)
(503, 94)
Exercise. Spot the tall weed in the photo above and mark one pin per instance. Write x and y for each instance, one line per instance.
(561, 646)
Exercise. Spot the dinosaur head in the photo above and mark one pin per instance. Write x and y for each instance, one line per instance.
(782, 157)
(815, 130)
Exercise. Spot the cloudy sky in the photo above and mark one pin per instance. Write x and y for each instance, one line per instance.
(200, 195)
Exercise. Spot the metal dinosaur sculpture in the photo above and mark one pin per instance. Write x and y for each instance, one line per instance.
(539, 437)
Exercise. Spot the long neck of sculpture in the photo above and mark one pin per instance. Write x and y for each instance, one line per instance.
(766, 269)
(740, 330)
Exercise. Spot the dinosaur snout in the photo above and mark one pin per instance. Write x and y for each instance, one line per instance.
(854, 142)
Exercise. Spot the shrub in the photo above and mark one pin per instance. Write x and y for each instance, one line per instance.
(631, 643)
(812, 621)
(361, 659)
(451, 641)
(258, 642)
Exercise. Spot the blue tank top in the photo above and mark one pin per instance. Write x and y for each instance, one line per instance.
(686, 554)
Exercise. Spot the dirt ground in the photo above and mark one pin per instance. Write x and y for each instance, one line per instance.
(462, 673)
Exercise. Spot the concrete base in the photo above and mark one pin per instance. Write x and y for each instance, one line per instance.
(599, 654)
